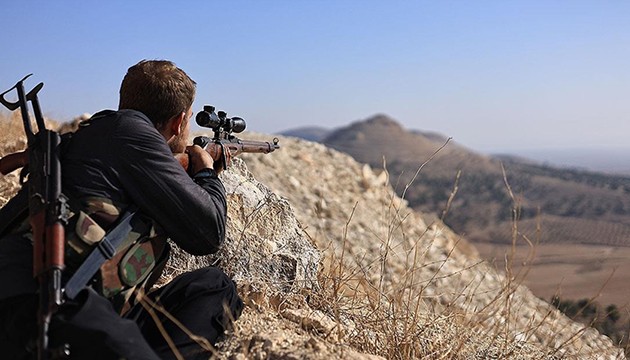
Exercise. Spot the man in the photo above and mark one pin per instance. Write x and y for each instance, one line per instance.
(119, 160)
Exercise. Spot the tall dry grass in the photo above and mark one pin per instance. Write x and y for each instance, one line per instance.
(403, 320)
(397, 321)
(12, 132)
(13, 139)
(394, 318)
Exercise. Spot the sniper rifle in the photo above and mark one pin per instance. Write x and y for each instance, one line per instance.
(223, 140)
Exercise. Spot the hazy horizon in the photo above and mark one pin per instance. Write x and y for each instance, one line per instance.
(614, 161)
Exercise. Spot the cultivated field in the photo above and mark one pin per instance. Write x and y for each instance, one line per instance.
(570, 271)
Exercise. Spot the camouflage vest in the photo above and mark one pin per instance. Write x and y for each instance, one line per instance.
(138, 260)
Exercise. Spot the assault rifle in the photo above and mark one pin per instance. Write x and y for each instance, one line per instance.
(48, 209)
(223, 139)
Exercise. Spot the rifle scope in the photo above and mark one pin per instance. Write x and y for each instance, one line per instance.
(217, 121)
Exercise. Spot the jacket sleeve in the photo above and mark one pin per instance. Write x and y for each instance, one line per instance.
(192, 212)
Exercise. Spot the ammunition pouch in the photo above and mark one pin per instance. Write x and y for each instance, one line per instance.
(142, 252)
(136, 262)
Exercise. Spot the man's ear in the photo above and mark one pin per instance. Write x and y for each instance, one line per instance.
(176, 123)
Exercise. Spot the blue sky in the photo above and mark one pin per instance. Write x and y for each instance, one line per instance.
(494, 75)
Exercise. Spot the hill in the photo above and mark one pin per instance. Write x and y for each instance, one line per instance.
(390, 283)
(488, 188)
(395, 256)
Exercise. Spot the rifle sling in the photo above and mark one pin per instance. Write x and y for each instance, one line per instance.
(105, 250)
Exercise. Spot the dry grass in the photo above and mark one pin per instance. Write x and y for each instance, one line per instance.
(399, 321)
(363, 310)
(13, 138)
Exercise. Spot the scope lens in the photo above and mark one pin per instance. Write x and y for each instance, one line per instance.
(238, 124)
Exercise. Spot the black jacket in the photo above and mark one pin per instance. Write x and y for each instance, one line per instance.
(120, 155)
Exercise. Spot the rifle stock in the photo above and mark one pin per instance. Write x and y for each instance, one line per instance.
(234, 145)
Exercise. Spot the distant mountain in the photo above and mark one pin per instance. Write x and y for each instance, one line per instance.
(311, 133)
(583, 206)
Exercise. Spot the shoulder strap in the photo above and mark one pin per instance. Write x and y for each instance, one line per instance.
(106, 249)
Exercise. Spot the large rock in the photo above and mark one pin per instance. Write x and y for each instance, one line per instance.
(265, 245)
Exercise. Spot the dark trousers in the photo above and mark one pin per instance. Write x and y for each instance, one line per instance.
(204, 301)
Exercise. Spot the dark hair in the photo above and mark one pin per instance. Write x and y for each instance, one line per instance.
(158, 89)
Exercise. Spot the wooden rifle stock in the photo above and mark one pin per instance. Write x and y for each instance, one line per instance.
(234, 145)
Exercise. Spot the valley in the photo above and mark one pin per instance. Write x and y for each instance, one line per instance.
(597, 272)
(579, 220)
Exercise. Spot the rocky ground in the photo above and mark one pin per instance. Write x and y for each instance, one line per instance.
(332, 264)
(400, 285)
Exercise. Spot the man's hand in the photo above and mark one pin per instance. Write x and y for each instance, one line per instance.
(199, 159)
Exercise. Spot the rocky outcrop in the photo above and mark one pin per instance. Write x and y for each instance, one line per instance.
(332, 264)
(265, 245)
(356, 218)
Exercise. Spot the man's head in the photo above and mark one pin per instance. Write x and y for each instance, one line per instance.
(161, 91)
